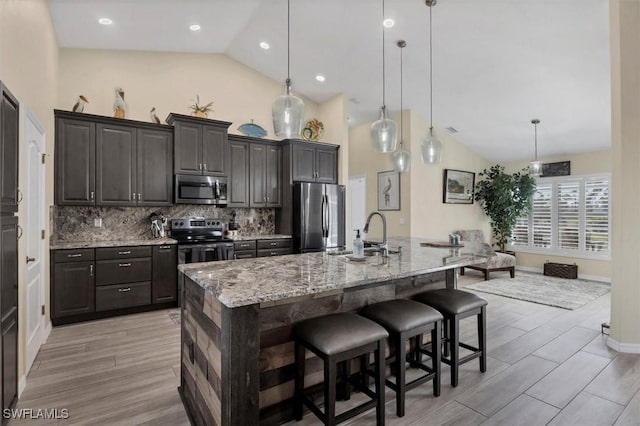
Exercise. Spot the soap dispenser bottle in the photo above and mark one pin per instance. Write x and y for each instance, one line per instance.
(358, 245)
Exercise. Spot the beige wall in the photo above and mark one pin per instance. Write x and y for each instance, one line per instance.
(168, 81)
(29, 68)
(422, 209)
(430, 217)
(625, 154)
(581, 164)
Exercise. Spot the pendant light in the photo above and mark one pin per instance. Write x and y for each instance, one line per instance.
(384, 132)
(431, 145)
(535, 167)
(401, 158)
(287, 109)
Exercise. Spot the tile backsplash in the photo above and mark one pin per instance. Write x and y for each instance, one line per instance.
(76, 223)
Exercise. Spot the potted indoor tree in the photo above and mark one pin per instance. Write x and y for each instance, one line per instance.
(504, 198)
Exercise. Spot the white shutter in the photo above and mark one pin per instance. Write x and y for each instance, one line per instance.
(541, 216)
(568, 202)
(520, 233)
(597, 215)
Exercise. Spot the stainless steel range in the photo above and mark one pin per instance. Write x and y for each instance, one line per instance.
(201, 240)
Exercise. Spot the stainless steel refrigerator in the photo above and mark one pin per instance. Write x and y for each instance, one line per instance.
(318, 216)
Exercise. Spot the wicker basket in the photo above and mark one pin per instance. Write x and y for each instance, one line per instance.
(561, 270)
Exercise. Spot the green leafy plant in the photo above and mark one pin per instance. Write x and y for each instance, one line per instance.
(504, 198)
(202, 109)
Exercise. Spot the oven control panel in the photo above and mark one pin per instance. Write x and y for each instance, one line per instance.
(197, 224)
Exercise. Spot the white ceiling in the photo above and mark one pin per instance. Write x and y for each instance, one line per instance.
(497, 63)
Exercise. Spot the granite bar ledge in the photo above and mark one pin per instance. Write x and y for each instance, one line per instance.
(237, 365)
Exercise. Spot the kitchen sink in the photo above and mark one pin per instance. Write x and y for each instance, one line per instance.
(369, 251)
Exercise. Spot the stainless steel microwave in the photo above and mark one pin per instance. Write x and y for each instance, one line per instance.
(191, 189)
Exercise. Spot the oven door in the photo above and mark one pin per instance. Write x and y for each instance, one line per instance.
(205, 253)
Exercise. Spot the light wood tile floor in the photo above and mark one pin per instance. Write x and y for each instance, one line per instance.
(546, 366)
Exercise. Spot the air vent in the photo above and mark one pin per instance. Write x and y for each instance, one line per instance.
(452, 130)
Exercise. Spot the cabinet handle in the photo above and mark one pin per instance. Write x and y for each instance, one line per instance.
(204, 166)
(124, 265)
(139, 196)
(235, 256)
(274, 244)
(124, 252)
(90, 270)
(31, 259)
(20, 232)
(93, 196)
(273, 253)
(75, 255)
(123, 290)
(200, 166)
(19, 196)
(164, 247)
(268, 200)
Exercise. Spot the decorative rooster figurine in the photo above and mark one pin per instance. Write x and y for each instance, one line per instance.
(119, 105)
(154, 117)
(79, 106)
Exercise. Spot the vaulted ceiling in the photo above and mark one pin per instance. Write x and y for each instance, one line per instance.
(496, 63)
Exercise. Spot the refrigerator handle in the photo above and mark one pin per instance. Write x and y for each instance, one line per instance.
(323, 213)
(328, 218)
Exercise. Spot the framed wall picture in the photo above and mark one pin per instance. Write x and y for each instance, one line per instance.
(389, 190)
(458, 187)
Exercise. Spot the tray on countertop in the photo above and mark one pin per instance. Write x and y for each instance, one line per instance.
(441, 244)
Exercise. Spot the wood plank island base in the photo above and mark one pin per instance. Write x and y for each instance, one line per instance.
(237, 364)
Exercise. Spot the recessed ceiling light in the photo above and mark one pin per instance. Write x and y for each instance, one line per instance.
(320, 78)
(388, 23)
(264, 45)
(105, 21)
(195, 27)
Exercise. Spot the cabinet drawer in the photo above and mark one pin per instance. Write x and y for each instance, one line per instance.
(273, 252)
(244, 245)
(75, 255)
(244, 254)
(122, 252)
(272, 244)
(122, 271)
(123, 296)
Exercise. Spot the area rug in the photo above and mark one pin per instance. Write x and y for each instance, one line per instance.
(537, 288)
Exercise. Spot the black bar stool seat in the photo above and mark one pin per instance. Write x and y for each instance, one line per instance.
(339, 338)
(456, 305)
(404, 320)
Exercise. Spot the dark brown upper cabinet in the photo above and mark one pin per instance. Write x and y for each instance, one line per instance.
(265, 165)
(9, 125)
(312, 161)
(201, 146)
(239, 176)
(112, 162)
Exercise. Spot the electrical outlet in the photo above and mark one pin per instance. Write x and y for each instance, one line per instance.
(402, 221)
(97, 222)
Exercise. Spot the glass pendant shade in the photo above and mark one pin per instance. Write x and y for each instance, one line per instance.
(431, 148)
(288, 112)
(384, 133)
(535, 168)
(401, 160)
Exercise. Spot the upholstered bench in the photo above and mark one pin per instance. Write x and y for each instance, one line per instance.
(500, 262)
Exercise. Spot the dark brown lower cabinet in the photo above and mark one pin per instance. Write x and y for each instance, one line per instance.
(95, 283)
(9, 309)
(164, 286)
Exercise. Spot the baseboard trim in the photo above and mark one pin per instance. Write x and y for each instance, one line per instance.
(627, 348)
(581, 276)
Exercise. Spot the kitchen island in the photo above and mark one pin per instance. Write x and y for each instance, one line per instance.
(237, 316)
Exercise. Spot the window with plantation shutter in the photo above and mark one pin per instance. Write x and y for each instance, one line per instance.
(541, 216)
(569, 217)
(568, 199)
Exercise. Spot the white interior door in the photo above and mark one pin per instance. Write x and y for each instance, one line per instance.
(358, 196)
(34, 244)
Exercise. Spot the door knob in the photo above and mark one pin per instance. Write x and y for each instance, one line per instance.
(31, 259)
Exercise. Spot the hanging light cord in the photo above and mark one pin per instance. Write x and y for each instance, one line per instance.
(401, 111)
(288, 41)
(383, 70)
(535, 127)
(430, 69)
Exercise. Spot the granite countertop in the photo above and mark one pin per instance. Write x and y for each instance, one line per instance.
(244, 282)
(249, 237)
(61, 245)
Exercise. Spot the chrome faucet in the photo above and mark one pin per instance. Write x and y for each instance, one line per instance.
(383, 247)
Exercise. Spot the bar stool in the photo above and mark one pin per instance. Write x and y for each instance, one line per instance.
(335, 339)
(406, 320)
(455, 305)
